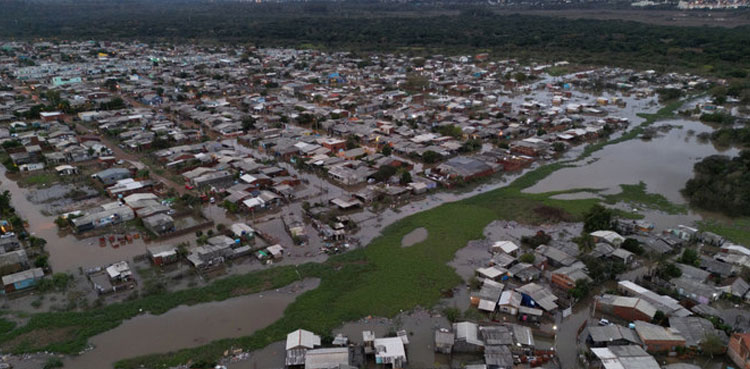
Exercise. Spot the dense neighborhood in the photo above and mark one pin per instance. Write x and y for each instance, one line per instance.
(154, 168)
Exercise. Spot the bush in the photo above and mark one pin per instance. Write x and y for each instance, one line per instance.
(598, 218)
(633, 246)
(452, 314)
(689, 257)
(53, 362)
(540, 238)
(527, 258)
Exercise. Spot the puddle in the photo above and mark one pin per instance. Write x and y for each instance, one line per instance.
(414, 237)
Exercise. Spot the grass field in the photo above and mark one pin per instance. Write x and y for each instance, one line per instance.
(736, 230)
(381, 279)
(38, 179)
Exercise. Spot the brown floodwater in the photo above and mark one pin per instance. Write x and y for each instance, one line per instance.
(66, 251)
(664, 163)
(189, 326)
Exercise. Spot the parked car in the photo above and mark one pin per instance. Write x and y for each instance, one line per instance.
(604, 322)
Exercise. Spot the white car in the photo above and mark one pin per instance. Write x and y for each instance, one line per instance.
(604, 322)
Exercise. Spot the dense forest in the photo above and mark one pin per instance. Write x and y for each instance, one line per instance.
(363, 26)
(721, 184)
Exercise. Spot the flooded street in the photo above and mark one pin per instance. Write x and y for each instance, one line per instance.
(189, 326)
(66, 251)
(664, 163)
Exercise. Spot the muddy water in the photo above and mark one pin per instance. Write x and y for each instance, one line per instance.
(664, 163)
(67, 252)
(189, 326)
(414, 237)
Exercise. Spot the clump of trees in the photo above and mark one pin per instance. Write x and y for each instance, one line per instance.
(598, 218)
(540, 238)
(721, 184)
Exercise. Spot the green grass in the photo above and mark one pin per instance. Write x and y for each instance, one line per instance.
(637, 195)
(736, 230)
(38, 179)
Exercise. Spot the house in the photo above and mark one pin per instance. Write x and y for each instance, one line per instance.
(467, 337)
(119, 271)
(66, 170)
(623, 357)
(297, 345)
(628, 308)
(159, 224)
(14, 261)
(666, 304)
(610, 237)
(739, 350)
(695, 329)
(209, 255)
(555, 256)
(696, 290)
(327, 358)
(510, 302)
(507, 247)
(242, 230)
(566, 277)
(658, 339)
(112, 175)
(104, 215)
(444, 339)
(534, 295)
(22, 280)
(390, 350)
(464, 168)
(9, 243)
(735, 286)
(612, 335)
(162, 254)
(498, 357)
(113, 278)
(495, 335)
(486, 298)
(127, 186)
(220, 179)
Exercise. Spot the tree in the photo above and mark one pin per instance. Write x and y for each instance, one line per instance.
(452, 314)
(405, 178)
(248, 123)
(668, 271)
(540, 238)
(659, 318)
(581, 289)
(558, 147)
(383, 173)
(632, 245)
(597, 218)
(430, 157)
(712, 345)
(527, 258)
(689, 257)
(386, 150)
(585, 242)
